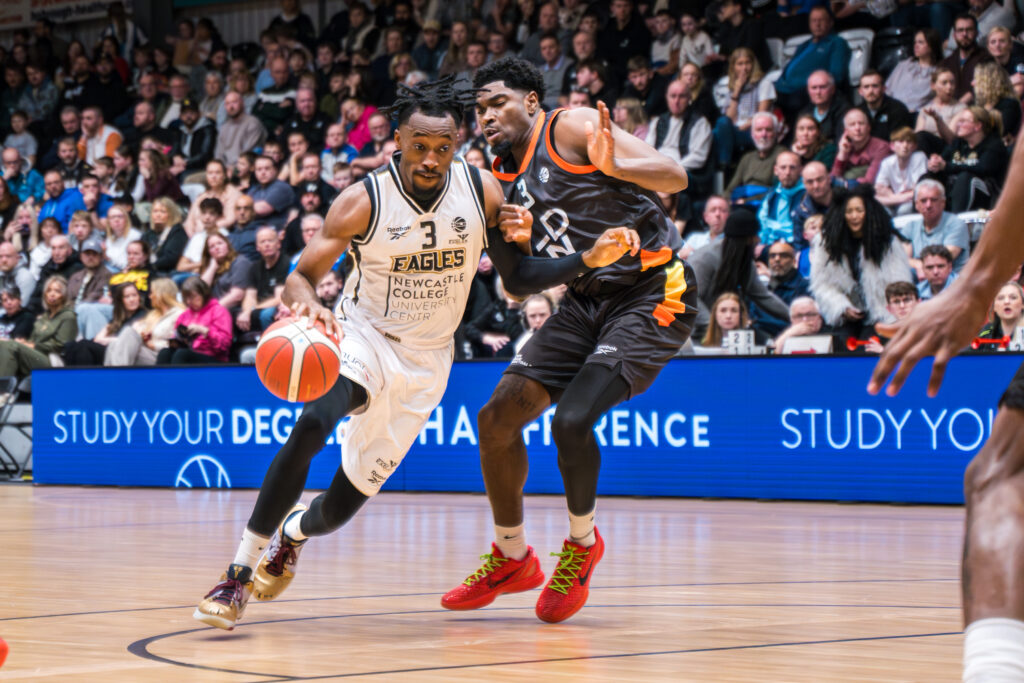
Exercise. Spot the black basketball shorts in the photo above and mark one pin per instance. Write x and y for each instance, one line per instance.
(637, 329)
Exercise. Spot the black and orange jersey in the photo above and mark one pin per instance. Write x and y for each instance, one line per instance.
(572, 206)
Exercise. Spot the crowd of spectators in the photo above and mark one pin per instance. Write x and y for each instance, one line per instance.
(157, 190)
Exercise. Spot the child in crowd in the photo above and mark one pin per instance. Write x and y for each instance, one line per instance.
(20, 139)
(899, 173)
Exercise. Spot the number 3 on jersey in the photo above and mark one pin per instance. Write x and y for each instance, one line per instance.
(555, 242)
(431, 229)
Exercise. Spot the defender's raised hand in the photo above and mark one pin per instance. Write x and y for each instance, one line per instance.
(600, 143)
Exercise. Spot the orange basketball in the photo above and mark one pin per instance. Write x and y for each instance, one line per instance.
(296, 363)
(3, 651)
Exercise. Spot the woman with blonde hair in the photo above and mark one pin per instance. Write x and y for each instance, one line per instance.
(727, 313)
(1005, 51)
(749, 93)
(119, 233)
(56, 326)
(1007, 313)
(165, 236)
(23, 231)
(630, 116)
(141, 341)
(994, 92)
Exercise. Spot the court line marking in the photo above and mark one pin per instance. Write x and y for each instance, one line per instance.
(414, 595)
(139, 648)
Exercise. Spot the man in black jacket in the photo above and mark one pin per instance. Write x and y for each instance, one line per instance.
(196, 138)
(16, 322)
(63, 261)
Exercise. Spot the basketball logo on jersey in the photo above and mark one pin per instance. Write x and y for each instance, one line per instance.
(544, 174)
(461, 235)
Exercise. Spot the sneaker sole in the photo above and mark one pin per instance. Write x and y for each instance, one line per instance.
(526, 584)
(213, 620)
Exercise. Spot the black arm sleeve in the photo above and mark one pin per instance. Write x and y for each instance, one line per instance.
(523, 275)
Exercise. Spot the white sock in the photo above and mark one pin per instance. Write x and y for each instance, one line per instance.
(581, 529)
(511, 541)
(293, 527)
(994, 651)
(250, 549)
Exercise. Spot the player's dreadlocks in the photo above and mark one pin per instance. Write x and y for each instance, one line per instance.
(436, 98)
(517, 74)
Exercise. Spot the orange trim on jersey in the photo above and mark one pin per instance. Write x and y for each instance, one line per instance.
(650, 259)
(675, 287)
(509, 177)
(562, 163)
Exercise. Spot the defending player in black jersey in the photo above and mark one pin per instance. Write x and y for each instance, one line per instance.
(572, 174)
(395, 359)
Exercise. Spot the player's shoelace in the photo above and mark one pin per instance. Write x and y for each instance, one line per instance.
(568, 569)
(491, 564)
(227, 591)
(283, 553)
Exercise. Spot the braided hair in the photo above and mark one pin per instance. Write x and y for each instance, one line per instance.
(435, 98)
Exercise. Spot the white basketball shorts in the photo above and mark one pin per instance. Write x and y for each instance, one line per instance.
(403, 386)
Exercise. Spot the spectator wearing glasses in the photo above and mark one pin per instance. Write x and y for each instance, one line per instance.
(807, 321)
(785, 282)
(967, 55)
(974, 165)
(22, 181)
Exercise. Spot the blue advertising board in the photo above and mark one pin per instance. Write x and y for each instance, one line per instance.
(798, 428)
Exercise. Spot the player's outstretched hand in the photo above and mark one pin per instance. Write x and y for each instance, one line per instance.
(515, 223)
(317, 312)
(610, 247)
(600, 143)
(941, 327)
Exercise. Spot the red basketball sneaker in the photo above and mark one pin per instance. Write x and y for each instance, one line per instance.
(498, 575)
(567, 591)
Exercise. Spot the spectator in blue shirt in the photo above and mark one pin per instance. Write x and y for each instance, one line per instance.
(777, 214)
(24, 183)
(935, 226)
(61, 203)
(271, 197)
(938, 271)
(825, 50)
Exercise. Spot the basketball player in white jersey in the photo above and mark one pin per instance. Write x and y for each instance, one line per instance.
(417, 228)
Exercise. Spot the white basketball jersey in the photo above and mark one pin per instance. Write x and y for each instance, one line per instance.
(415, 264)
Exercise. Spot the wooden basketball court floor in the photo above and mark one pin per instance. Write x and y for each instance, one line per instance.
(99, 584)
